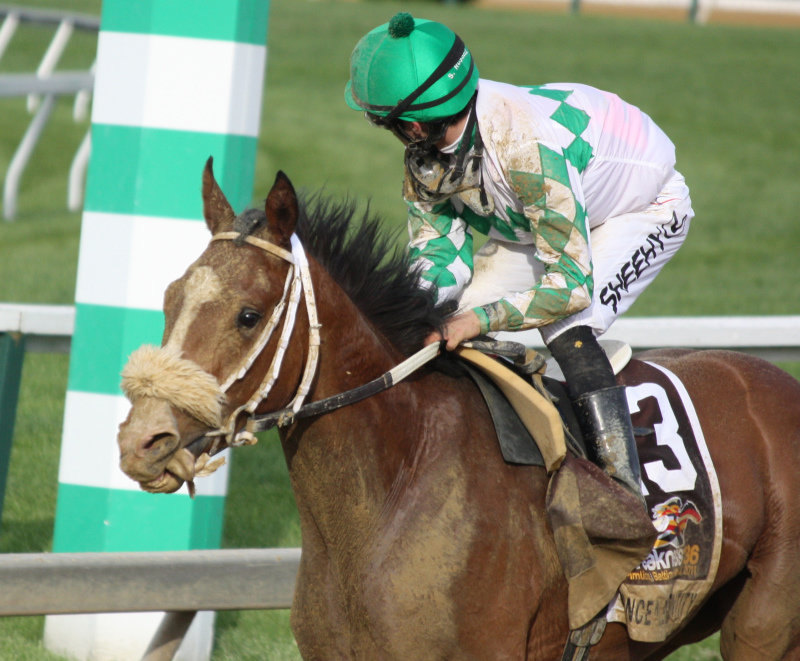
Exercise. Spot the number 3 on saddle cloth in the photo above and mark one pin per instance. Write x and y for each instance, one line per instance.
(598, 548)
(683, 497)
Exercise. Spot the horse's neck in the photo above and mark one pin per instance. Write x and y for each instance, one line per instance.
(346, 465)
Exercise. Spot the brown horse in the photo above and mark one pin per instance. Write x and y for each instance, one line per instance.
(419, 541)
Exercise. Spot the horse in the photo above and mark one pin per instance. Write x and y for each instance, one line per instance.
(418, 540)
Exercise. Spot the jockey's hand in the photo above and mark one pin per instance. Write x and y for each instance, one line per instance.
(457, 329)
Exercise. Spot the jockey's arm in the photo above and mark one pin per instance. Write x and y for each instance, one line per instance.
(558, 223)
(440, 247)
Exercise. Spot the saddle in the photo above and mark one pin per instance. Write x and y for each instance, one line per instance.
(534, 420)
(620, 565)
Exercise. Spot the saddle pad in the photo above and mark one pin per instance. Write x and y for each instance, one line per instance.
(682, 493)
(540, 416)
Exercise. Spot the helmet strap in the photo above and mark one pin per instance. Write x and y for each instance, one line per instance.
(453, 55)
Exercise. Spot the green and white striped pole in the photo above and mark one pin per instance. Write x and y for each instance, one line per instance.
(177, 81)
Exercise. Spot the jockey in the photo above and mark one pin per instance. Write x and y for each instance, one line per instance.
(575, 189)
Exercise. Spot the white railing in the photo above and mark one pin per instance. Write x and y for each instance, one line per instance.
(41, 89)
(48, 328)
(179, 582)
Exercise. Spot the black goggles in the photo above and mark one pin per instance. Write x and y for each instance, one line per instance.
(436, 130)
(377, 120)
(393, 125)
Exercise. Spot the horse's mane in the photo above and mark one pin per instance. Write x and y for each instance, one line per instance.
(363, 258)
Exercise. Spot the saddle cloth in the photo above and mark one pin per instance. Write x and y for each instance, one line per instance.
(682, 495)
(684, 499)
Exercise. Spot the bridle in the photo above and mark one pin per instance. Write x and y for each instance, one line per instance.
(298, 282)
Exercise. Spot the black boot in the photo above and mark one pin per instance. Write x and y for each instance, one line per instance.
(601, 405)
(605, 421)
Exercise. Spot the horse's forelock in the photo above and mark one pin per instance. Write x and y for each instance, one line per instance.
(248, 222)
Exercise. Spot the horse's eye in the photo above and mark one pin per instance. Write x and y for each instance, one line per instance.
(248, 318)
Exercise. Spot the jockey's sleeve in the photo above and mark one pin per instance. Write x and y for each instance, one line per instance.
(440, 247)
(558, 223)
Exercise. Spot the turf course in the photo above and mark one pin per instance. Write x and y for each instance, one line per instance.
(726, 95)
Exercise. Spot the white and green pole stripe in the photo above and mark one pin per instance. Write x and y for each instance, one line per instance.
(177, 81)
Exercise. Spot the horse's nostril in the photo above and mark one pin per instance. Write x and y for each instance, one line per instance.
(156, 440)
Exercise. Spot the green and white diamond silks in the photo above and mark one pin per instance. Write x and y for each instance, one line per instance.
(531, 176)
(441, 248)
(556, 219)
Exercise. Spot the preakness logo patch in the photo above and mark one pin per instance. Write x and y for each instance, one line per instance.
(671, 556)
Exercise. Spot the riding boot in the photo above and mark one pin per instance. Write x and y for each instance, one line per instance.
(605, 421)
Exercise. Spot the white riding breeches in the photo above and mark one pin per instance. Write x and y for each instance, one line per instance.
(628, 251)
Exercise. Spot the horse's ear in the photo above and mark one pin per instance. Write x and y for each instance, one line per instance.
(281, 209)
(217, 211)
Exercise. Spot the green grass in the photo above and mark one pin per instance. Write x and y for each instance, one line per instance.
(726, 95)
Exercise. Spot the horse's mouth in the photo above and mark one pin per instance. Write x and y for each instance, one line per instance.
(185, 464)
(167, 482)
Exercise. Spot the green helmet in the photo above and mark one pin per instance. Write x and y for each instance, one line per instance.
(411, 69)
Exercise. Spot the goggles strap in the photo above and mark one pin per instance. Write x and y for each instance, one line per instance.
(453, 55)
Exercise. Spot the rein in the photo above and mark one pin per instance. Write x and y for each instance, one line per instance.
(383, 382)
(298, 282)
